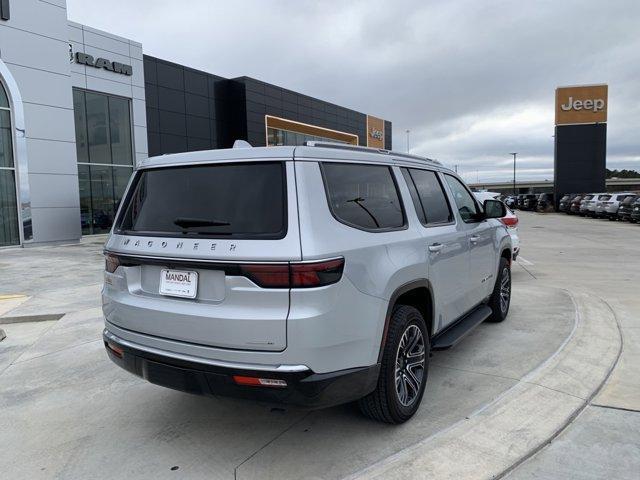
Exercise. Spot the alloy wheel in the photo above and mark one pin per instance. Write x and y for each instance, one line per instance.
(410, 362)
(505, 290)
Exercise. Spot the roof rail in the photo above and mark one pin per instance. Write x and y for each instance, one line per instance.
(358, 148)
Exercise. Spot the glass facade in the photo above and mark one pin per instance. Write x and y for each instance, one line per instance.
(105, 156)
(279, 137)
(9, 232)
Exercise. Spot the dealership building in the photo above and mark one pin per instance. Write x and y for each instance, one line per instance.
(80, 107)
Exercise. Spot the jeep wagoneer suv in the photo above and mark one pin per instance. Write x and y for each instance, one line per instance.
(311, 275)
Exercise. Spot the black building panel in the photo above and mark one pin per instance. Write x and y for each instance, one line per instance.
(198, 127)
(150, 71)
(172, 143)
(151, 95)
(387, 135)
(196, 82)
(580, 158)
(170, 75)
(171, 100)
(195, 144)
(192, 110)
(172, 123)
(153, 120)
(153, 141)
(197, 105)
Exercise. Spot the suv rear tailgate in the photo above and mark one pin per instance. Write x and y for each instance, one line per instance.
(229, 310)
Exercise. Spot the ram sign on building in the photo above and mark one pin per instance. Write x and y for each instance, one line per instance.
(80, 107)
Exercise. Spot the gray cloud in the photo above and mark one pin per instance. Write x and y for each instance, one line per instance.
(471, 80)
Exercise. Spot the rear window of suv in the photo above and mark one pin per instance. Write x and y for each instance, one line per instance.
(240, 200)
(363, 196)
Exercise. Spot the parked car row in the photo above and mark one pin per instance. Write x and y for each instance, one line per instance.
(614, 206)
(541, 202)
(624, 206)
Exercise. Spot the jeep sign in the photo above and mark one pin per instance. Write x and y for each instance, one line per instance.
(584, 104)
(596, 104)
(375, 132)
(116, 67)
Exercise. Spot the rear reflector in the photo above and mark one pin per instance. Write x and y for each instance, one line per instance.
(111, 262)
(510, 221)
(117, 351)
(295, 275)
(259, 382)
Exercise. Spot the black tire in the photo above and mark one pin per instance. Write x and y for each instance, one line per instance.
(497, 300)
(384, 404)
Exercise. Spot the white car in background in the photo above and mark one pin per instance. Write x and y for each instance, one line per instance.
(608, 207)
(510, 220)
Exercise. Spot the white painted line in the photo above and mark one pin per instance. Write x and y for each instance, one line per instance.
(524, 261)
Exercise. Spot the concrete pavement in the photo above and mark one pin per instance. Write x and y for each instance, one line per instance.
(601, 258)
(68, 412)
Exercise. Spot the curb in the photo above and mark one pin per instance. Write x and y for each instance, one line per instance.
(497, 438)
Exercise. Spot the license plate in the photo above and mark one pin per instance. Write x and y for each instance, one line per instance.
(179, 283)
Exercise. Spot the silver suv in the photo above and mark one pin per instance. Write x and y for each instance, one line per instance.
(312, 275)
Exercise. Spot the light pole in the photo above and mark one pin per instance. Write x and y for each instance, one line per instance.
(514, 171)
(408, 131)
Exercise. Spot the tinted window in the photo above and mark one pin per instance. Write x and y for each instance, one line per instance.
(588, 197)
(234, 199)
(363, 196)
(467, 207)
(431, 196)
(414, 196)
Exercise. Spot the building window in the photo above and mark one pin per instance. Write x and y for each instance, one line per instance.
(104, 147)
(281, 131)
(9, 233)
(278, 137)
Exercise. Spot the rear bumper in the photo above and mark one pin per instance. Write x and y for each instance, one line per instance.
(304, 388)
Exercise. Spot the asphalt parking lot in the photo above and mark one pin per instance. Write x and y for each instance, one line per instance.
(555, 370)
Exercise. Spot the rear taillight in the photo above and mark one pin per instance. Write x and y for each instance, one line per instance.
(510, 222)
(117, 351)
(275, 275)
(111, 262)
(295, 275)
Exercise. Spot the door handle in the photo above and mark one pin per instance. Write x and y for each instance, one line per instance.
(474, 239)
(436, 247)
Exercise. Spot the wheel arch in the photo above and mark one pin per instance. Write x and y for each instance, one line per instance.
(418, 294)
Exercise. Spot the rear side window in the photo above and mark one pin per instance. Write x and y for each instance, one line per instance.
(465, 203)
(240, 200)
(363, 196)
(432, 205)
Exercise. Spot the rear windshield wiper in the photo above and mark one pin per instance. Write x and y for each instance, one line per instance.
(358, 201)
(185, 222)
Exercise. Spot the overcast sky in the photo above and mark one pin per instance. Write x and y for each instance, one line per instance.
(472, 80)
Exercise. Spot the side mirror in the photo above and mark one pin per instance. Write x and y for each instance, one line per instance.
(494, 209)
